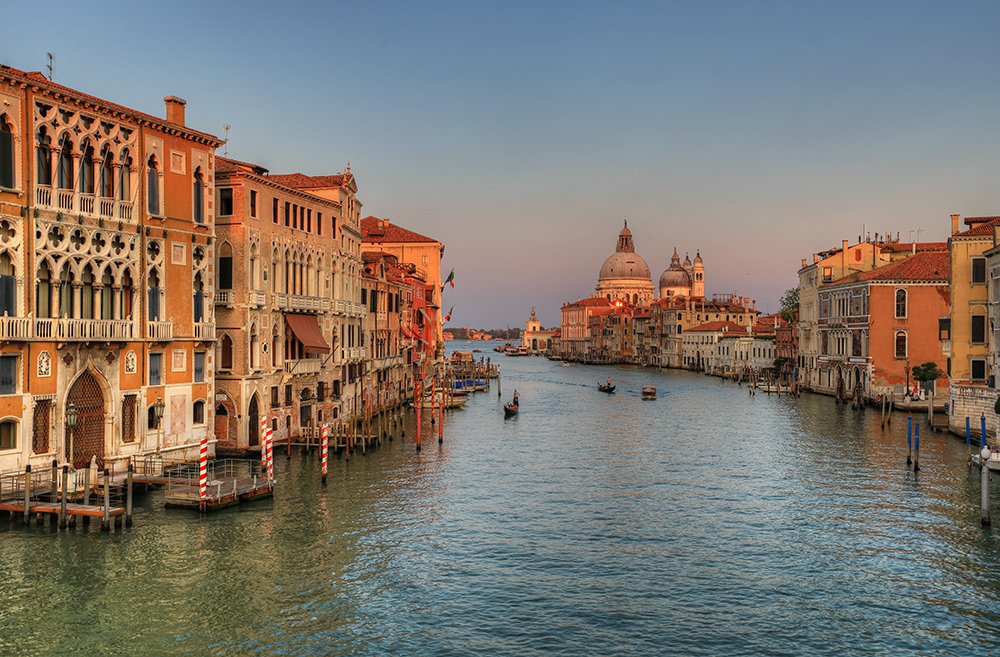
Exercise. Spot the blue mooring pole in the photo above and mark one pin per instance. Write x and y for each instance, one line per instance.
(916, 450)
(909, 438)
(968, 441)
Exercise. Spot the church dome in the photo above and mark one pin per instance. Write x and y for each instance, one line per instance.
(624, 262)
(675, 276)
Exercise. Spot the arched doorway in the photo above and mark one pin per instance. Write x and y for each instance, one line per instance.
(87, 397)
(253, 426)
(221, 422)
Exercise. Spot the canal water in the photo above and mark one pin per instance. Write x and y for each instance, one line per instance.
(705, 522)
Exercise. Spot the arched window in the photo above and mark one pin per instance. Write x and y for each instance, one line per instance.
(226, 356)
(199, 197)
(198, 412)
(87, 294)
(153, 303)
(43, 296)
(107, 295)
(126, 292)
(253, 348)
(125, 178)
(87, 170)
(199, 300)
(6, 154)
(66, 165)
(901, 304)
(107, 176)
(8, 290)
(225, 267)
(900, 344)
(65, 292)
(44, 158)
(153, 186)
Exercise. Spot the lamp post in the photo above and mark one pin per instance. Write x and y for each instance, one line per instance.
(907, 368)
(71, 416)
(158, 414)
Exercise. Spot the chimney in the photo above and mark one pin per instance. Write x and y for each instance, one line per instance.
(815, 257)
(954, 224)
(803, 263)
(175, 109)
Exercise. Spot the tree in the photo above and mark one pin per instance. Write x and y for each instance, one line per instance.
(789, 304)
(926, 373)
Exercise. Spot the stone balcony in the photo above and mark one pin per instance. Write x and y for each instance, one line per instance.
(72, 201)
(299, 303)
(15, 328)
(84, 329)
(160, 331)
(204, 331)
(258, 298)
(304, 366)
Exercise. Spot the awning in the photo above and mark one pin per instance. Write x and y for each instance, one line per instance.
(306, 328)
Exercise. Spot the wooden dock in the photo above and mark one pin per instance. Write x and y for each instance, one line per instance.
(219, 494)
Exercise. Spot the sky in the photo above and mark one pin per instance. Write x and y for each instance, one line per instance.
(523, 134)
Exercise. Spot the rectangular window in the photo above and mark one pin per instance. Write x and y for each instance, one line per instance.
(364, 297)
(226, 201)
(295, 215)
(979, 270)
(130, 405)
(6, 157)
(155, 366)
(288, 215)
(198, 412)
(288, 395)
(8, 435)
(40, 426)
(8, 375)
(274, 209)
(319, 223)
(253, 203)
(274, 397)
(827, 274)
(309, 220)
(978, 369)
(978, 329)
(199, 366)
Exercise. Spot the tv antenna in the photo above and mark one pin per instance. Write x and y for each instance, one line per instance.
(225, 127)
(51, 65)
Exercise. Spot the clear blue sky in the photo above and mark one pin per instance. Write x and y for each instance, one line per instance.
(521, 134)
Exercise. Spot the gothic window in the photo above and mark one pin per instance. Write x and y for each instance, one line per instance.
(107, 295)
(225, 266)
(226, 348)
(199, 197)
(198, 412)
(65, 292)
(126, 293)
(153, 186)
(154, 296)
(199, 300)
(8, 290)
(44, 158)
(43, 307)
(125, 178)
(6, 154)
(87, 170)
(66, 165)
(107, 175)
(87, 294)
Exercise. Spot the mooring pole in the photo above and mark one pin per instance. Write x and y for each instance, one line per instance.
(916, 451)
(128, 497)
(984, 457)
(325, 439)
(27, 494)
(62, 506)
(909, 438)
(968, 441)
(106, 521)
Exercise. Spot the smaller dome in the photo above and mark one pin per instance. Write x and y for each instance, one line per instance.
(697, 258)
(687, 261)
(675, 276)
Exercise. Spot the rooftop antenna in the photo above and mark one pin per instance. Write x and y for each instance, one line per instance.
(225, 126)
(51, 65)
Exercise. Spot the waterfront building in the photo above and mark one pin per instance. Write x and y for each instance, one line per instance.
(965, 336)
(671, 316)
(641, 337)
(535, 338)
(425, 254)
(747, 351)
(833, 265)
(875, 325)
(106, 259)
(625, 275)
(281, 307)
(575, 323)
(699, 347)
(786, 342)
(388, 294)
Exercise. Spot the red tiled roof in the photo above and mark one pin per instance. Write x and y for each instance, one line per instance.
(229, 165)
(374, 229)
(981, 227)
(591, 301)
(302, 181)
(39, 78)
(926, 266)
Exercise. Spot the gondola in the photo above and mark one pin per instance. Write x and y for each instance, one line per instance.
(603, 388)
(510, 410)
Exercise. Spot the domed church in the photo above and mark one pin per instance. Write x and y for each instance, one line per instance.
(625, 275)
(687, 280)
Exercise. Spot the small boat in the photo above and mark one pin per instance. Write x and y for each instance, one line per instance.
(510, 409)
(649, 392)
(604, 388)
(477, 351)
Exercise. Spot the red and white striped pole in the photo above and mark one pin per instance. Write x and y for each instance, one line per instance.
(325, 435)
(270, 457)
(263, 444)
(203, 474)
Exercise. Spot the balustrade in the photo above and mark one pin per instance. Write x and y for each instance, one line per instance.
(204, 331)
(304, 365)
(160, 331)
(14, 328)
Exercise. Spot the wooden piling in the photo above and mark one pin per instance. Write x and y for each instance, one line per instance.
(106, 521)
(916, 451)
(968, 441)
(441, 419)
(62, 505)
(985, 485)
(909, 439)
(128, 496)
(27, 494)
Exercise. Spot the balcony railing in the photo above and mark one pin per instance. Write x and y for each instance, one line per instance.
(340, 306)
(224, 297)
(304, 365)
(160, 331)
(259, 298)
(84, 329)
(300, 302)
(204, 331)
(70, 200)
(15, 328)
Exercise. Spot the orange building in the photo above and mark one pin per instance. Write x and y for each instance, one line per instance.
(106, 260)
(877, 324)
